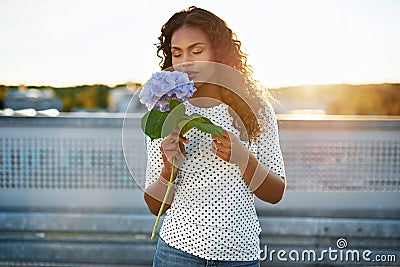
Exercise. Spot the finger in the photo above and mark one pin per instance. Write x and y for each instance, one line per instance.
(225, 150)
(219, 146)
(179, 158)
(183, 139)
(168, 140)
(226, 134)
(217, 137)
(220, 154)
(171, 155)
(174, 154)
(175, 131)
(182, 148)
(174, 146)
(214, 149)
(176, 139)
(169, 147)
(172, 139)
(174, 135)
(222, 142)
(220, 139)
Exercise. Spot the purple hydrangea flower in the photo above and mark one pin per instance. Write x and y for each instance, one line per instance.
(164, 86)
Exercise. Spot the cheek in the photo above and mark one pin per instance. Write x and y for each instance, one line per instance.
(176, 65)
(206, 70)
(174, 61)
(209, 56)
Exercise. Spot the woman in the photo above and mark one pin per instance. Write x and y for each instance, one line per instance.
(211, 218)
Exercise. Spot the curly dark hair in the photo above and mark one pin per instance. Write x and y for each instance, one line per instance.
(228, 51)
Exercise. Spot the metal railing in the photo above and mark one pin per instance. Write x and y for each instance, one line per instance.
(321, 155)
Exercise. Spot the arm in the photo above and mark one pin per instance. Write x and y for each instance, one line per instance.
(264, 183)
(154, 194)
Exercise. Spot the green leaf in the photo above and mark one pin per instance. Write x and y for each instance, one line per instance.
(201, 123)
(170, 123)
(185, 126)
(175, 115)
(152, 123)
(186, 123)
(199, 118)
(157, 124)
(177, 108)
(144, 120)
(195, 116)
(207, 127)
(174, 103)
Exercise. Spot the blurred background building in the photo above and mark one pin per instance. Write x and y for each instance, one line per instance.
(125, 98)
(25, 98)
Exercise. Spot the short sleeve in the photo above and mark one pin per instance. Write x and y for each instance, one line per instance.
(268, 148)
(154, 160)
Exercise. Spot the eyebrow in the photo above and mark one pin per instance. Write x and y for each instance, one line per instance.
(190, 46)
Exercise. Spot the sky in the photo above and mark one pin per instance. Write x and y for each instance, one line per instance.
(72, 42)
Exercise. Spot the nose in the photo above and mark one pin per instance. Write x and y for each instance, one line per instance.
(186, 61)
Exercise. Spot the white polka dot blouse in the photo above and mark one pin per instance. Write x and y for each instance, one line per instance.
(212, 215)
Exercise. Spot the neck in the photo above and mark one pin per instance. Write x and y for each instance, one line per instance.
(206, 96)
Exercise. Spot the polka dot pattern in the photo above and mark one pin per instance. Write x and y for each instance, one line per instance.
(212, 215)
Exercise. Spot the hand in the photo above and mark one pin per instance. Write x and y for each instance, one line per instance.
(230, 148)
(172, 147)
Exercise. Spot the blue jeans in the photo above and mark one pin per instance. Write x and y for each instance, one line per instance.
(167, 256)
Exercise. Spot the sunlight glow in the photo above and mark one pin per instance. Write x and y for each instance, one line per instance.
(63, 43)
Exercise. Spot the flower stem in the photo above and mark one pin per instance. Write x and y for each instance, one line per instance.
(170, 183)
